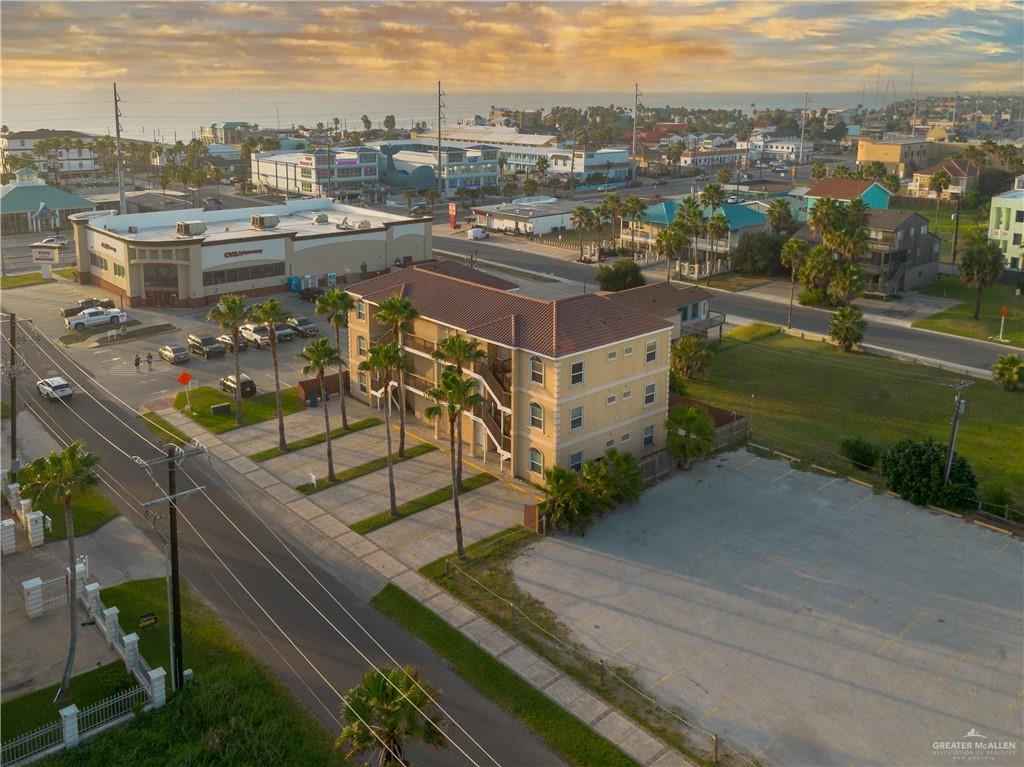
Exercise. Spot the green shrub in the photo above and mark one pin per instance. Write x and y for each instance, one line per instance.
(815, 297)
(914, 470)
(620, 274)
(860, 452)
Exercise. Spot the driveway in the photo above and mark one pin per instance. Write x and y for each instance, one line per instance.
(807, 620)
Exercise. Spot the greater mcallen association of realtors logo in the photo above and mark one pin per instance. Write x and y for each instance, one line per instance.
(975, 747)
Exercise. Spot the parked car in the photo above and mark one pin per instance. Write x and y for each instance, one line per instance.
(284, 331)
(87, 303)
(205, 346)
(311, 294)
(633, 183)
(54, 388)
(88, 318)
(174, 354)
(227, 384)
(54, 241)
(659, 182)
(476, 233)
(732, 199)
(304, 327)
(228, 342)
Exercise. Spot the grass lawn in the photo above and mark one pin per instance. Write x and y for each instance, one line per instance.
(234, 712)
(163, 429)
(68, 272)
(91, 509)
(736, 282)
(959, 320)
(316, 439)
(5, 410)
(11, 281)
(488, 561)
(78, 336)
(946, 224)
(262, 407)
(569, 737)
(363, 469)
(805, 397)
(36, 709)
(416, 505)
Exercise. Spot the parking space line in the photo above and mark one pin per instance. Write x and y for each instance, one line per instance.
(904, 516)
(830, 482)
(626, 644)
(898, 637)
(764, 561)
(756, 757)
(968, 651)
(745, 465)
(583, 617)
(784, 474)
(1001, 549)
(680, 667)
(956, 525)
(718, 545)
(862, 500)
(807, 582)
(851, 606)
(727, 699)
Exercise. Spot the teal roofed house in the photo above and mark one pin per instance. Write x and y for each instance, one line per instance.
(28, 204)
(742, 219)
(845, 190)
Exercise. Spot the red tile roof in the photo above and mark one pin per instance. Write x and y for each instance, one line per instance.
(955, 168)
(552, 328)
(660, 298)
(840, 188)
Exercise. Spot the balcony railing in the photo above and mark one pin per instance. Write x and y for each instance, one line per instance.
(494, 384)
(492, 425)
(419, 344)
(701, 327)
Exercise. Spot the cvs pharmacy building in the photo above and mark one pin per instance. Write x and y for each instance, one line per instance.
(190, 258)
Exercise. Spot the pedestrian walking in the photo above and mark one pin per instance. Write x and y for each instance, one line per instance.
(149, 359)
(138, 363)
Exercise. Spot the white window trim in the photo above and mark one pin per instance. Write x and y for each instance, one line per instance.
(654, 394)
(579, 467)
(610, 400)
(623, 439)
(647, 351)
(583, 373)
(612, 354)
(653, 431)
(530, 459)
(532, 425)
(582, 418)
(532, 379)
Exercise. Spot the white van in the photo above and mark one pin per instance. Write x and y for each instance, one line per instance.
(476, 233)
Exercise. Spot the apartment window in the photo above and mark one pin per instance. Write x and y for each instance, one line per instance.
(612, 355)
(576, 460)
(1016, 241)
(627, 352)
(119, 270)
(652, 351)
(610, 400)
(360, 310)
(1019, 216)
(576, 418)
(627, 394)
(648, 435)
(650, 393)
(537, 370)
(576, 373)
(610, 443)
(536, 461)
(361, 346)
(624, 437)
(536, 416)
(362, 383)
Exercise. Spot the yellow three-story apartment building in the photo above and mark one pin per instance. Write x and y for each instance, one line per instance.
(562, 382)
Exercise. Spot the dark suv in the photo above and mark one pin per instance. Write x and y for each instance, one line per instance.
(304, 327)
(227, 384)
(205, 346)
(311, 294)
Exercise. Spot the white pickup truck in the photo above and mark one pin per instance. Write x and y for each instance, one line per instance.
(96, 316)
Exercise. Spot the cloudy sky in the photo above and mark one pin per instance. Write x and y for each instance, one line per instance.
(221, 49)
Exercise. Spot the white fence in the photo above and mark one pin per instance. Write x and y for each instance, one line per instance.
(109, 712)
(33, 745)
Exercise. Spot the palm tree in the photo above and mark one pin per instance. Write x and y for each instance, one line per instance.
(717, 228)
(980, 266)
(568, 504)
(847, 281)
(387, 709)
(856, 215)
(689, 434)
(824, 218)
(502, 162)
(819, 171)
(318, 354)
(541, 166)
(400, 314)
(582, 218)
(689, 357)
(690, 219)
(632, 208)
(668, 243)
(460, 352)
(939, 183)
(453, 396)
(613, 207)
(62, 476)
(847, 327)
(1007, 370)
(383, 362)
(409, 196)
(891, 182)
(269, 314)
(793, 254)
(230, 313)
(840, 171)
(432, 197)
(780, 215)
(723, 176)
(334, 306)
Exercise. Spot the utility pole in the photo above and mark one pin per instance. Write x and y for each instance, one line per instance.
(174, 456)
(803, 121)
(440, 118)
(12, 374)
(959, 408)
(956, 227)
(636, 111)
(122, 205)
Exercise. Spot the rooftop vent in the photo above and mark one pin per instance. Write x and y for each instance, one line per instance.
(320, 218)
(364, 224)
(265, 221)
(190, 228)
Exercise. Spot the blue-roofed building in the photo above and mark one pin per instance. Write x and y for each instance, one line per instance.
(28, 204)
(742, 220)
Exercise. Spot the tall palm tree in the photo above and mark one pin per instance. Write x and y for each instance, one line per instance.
(541, 166)
(383, 362)
(62, 476)
(856, 215)
(582, 218)
(939, 183)
(453, 396)
(847, 327)
(632, 208)
(690, 219)
(690, 434)
(318, 354)
(269, 314)
(819, 171)
(846, 282)
(723, 176)
(387, 709)
(230, 313)
(717, 228)
(668, 243)
(459, 352)
(334, 306)
(780, 215)
(793, 254)
(400, 314)
(613, 207)
(824, 218)
(980, 266)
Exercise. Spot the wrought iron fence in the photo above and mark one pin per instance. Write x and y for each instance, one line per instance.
(111, 710)
(31, 743)
(55, 593)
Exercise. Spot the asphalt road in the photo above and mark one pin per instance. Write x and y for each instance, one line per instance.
(960, 351)
(279, 579)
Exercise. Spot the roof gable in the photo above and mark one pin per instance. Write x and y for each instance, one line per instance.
(843, 188)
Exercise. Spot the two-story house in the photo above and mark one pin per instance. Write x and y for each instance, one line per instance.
(845, 190)
(1006, 224)
(563, 380)
(963, 176)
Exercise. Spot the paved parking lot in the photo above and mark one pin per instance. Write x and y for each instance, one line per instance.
(809, 621)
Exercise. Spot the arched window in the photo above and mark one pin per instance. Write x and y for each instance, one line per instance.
(537, 370)
(536, 461)
(536, 416)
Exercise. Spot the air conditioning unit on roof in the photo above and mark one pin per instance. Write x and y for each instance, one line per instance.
(264, 221)
(190, 228)
(320, 218)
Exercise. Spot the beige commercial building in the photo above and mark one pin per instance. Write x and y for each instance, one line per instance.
(192, 257)
(563, 381)
(902, 156)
